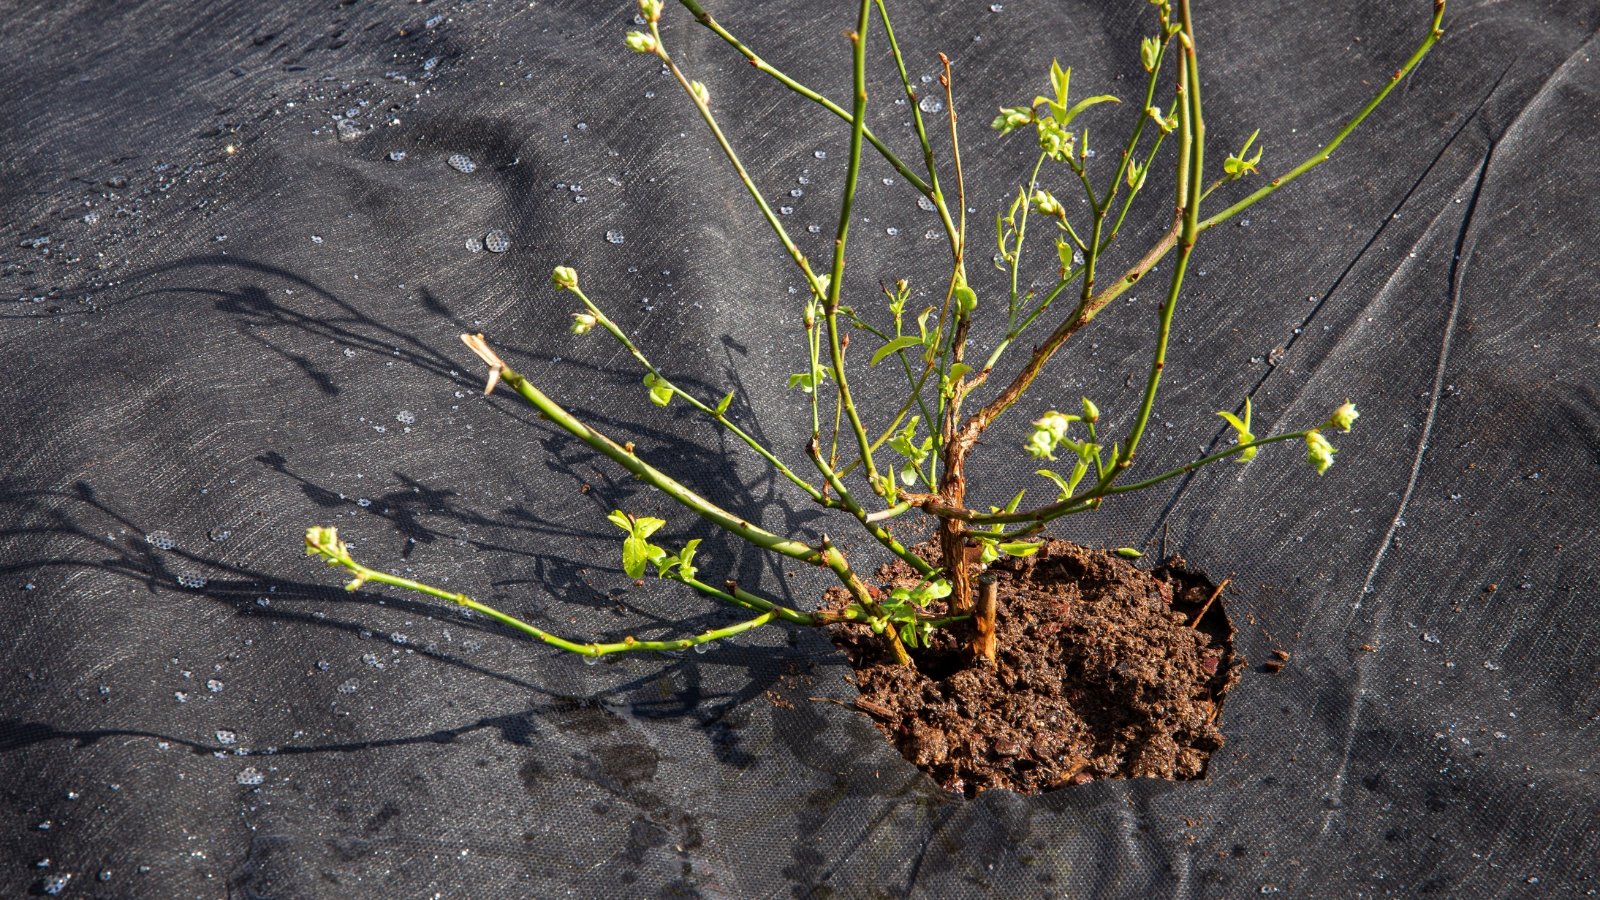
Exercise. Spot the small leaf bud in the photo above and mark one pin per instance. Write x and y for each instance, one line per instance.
(564, 277)
(582, 322)
(1047, 204)
(640, 42)
(1343, 417)
(1319, 452)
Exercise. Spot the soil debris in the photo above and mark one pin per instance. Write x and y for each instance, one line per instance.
(1099, 674)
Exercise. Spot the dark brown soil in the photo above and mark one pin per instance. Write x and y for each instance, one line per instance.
(1098, 675)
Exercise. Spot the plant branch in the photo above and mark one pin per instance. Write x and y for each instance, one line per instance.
(719, 417)
(1435, 32)
(761, 65)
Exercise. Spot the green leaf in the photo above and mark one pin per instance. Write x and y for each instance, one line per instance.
(894, 346)
(635, 554)
(1082, 105)
(1149, 53)
(661, 390)
(1020, 548)
(621, 520)
(966, 299)
(988, 550)
(1066, 489)
(1016, 501)
(958, 370)
(645, 526)
(1128, 553)
(722, 406)
(1066, 252)
(686, 559)
(1242, 427)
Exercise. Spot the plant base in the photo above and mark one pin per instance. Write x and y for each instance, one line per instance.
(1099, 675)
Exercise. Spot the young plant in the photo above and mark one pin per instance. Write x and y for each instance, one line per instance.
(917, 460)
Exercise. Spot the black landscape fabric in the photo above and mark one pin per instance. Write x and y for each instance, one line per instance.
(207, 350)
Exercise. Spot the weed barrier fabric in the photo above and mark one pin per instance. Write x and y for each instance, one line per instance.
(208, 350)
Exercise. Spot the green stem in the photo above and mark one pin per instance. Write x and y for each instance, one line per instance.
(625, 457)
(738, 166)
(878, 532)
(627, 645)
(719, 418)
(936, 195)
(761, 65)
(836, 283)
(1091, 499)
(1435, 31)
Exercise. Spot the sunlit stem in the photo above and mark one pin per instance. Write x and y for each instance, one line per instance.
(720, 418)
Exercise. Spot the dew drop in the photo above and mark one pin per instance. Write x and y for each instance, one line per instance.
(786, 210)
(474, 245)
(925, 204)
(820, 154)
(930, 104)
(250, 775)
(814, 229)
(614, 236)
(591, 660)
(160, 540)
(406, 417)
(891, 231)
(462, 163)
(397, 156)
(496, 241)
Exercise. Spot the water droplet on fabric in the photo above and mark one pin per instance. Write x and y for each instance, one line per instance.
(192, 582)
(347, 130)
(700, 648)
(405, 417)
(250, 775)
(55, 884)
(497, 241)
(785, 210)
(797, 192)
(316, 239)
(474, 245)
(891, 231)
(820, 154)
(160, 540)
(397, 156)
(814, 229)
(591, 660)
(1430, 638)
(997, 7)
(926, 204)
(219, 534)
(615, 236)
(349, 686)
(930, 104)
(462, 163)
(91, 217)
(214, 686)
